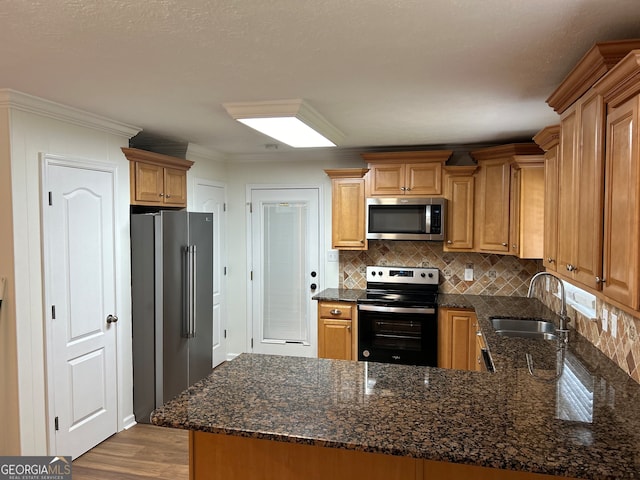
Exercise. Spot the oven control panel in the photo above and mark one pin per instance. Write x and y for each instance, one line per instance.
(407, 275)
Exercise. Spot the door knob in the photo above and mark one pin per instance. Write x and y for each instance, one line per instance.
(313, 286)
(112, 319)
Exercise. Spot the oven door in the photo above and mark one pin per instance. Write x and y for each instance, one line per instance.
(406, 335)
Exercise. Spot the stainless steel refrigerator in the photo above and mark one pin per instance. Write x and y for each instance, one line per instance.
(172, 305)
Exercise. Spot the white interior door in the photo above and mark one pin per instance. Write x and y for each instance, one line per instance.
(79, 256)
(284, 251)
(210, 197)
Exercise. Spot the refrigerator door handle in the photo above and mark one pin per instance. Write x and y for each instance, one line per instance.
(194, 289)
(188, 293)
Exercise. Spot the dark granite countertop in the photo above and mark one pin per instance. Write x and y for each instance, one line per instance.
(584, 425)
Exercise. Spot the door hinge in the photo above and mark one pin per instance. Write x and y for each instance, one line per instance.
(224, 207)
(224, 271)
(251, 275)
(252, 343)
(225, 333)
(53, 312)
(50, 198)
(250, 207)
(56, 424)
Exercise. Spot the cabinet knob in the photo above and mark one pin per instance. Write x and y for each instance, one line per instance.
(514, 246)
(600, 280)
(449, 242)
(571, 268)
(161, 194)
(168, 195)
(403, 188)
(504, 244)
(335, 311)
(550, 260)
(112, 319)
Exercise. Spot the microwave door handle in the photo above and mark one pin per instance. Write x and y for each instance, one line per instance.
(427, 218)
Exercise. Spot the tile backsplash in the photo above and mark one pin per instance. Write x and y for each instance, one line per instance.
(492, 274)
(623, 348)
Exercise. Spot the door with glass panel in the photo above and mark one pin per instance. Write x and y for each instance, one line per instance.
(284, 270)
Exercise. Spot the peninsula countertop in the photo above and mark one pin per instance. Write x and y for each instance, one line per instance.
(585, 425)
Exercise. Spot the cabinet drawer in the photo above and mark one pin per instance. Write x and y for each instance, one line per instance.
(335, 310)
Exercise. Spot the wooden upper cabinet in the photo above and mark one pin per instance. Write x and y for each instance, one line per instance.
(504, 203)
(549, 140)
(621, 249)
(417, 174)
(156, 179)
(581, 190)
(459, 190)
(348, 215)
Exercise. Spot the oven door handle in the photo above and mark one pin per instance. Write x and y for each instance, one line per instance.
(379, 308)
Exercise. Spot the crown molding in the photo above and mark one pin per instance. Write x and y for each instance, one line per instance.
(504, 151)
(548, 137)
(592, 66)
(15, 100)
(622, 82)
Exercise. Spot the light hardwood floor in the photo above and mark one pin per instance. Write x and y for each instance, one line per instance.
(142, 452)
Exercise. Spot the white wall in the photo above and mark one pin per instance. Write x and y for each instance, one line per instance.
(37, 126)
(298, 168)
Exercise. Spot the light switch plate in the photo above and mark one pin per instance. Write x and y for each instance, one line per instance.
(605, 320)
(614, 325)
(332, 256)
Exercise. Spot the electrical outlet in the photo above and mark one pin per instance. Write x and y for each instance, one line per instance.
(605, 319)
(614, 325)
(468, 274)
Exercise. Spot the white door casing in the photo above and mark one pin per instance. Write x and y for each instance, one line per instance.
(78, 216)
(210, 197)
(284, 262)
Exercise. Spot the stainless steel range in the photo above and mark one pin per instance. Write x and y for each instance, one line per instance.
(398, 316)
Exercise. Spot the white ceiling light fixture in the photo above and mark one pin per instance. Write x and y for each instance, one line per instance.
(293, 122)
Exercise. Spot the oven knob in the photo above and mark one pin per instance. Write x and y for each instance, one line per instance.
(373, 273)
(431, 275)
(380, 273)
(365, 353)
(423, 274)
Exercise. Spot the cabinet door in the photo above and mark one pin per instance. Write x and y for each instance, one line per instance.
(589, 192)
(334, 339)
(566, 208)
(492, 206)
(457, 339)
(514, 211)
(622, 209)
(529, 228)
(386, 179)
(348, 214)
(175, 187)
(149, 183)
(459, 191)
(422, 179)
(549, 259)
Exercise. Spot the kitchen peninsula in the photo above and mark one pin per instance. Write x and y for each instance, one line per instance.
(262, 416)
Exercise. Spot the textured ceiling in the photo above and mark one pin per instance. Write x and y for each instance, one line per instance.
(384, 72)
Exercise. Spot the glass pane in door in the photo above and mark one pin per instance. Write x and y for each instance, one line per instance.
(284, 301)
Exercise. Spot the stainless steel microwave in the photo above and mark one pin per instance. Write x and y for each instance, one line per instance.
(406, 218)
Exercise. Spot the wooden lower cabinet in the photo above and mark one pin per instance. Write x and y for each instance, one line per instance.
(216, 456)
(337, 326)
(457, 344)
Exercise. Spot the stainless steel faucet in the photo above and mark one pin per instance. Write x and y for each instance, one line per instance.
(564, 318)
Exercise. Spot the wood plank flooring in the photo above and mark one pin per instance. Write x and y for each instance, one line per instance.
(140, 453)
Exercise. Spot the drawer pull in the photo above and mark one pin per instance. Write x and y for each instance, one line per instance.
(335, 311)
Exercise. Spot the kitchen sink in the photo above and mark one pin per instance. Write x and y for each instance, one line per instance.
(524, 328)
